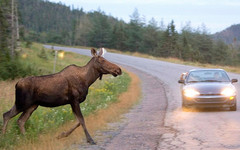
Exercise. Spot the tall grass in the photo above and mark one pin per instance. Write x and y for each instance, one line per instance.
(101, 95)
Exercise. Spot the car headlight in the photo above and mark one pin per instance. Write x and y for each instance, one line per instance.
(191, 93)
(228, 92)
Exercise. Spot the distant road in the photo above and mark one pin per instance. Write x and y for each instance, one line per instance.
(218, 129)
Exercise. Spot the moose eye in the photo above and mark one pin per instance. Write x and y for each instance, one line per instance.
(101, 60)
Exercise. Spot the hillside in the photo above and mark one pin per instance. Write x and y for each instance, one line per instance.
(48, 22)
(230, 35)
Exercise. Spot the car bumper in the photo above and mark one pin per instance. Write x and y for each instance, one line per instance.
(210, 101)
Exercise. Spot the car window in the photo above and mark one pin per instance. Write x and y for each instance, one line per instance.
(208, 76)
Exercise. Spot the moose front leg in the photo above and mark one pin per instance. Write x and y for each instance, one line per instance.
(77, 111)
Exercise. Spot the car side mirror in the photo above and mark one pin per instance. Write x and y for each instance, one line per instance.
(181, 81)
(234, 80)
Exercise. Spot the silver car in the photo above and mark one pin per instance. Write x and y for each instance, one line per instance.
(208, 88)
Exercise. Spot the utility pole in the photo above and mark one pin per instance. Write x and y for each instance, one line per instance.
(55, 59)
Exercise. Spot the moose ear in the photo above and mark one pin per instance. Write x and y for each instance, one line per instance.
(94, 52)
(101, 52)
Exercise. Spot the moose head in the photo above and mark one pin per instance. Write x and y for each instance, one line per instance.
(104, 66)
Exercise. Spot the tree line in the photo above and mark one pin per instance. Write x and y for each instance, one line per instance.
(48, 22)
(10, 64)
(9, 33)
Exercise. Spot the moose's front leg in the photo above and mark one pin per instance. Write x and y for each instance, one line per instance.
(77, 111)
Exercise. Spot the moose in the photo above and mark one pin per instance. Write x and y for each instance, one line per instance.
(69, 86)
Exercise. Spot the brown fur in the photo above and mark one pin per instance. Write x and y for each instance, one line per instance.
(70, 86)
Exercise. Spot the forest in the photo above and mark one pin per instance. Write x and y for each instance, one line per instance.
(46, 22)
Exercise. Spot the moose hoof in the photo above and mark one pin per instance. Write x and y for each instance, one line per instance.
(91, 142)
(62, 135)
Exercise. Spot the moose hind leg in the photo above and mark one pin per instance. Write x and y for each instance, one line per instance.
(25, 116)
(66, 134)
(7, 116)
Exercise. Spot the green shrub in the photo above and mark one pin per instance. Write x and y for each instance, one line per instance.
(28, 44)
(15, 69)
(43, 54)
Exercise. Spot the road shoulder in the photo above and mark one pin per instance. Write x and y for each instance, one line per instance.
(140, 128)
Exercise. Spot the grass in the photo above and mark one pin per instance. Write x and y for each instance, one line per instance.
(101, 95)
(46, 65)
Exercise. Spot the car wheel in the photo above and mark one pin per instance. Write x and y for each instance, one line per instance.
(184, 106)
(233, 108)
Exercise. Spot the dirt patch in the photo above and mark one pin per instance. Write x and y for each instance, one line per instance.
(94, 122)
(142, 127)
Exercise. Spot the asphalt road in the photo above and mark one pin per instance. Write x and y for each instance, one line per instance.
(194, 129)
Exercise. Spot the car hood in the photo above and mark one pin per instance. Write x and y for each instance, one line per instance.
(209, 88)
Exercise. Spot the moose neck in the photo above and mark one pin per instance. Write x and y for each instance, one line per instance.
(92, 74)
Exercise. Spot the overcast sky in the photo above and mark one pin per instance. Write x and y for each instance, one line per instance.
(216, 15)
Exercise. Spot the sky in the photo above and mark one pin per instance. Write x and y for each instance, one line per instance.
(214, 15)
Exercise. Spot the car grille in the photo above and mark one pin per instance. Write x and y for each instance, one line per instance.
(210, 100)
(210, 94)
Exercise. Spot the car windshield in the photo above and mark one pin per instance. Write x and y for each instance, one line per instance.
(208, 76)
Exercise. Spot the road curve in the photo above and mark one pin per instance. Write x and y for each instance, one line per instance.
(194, 129)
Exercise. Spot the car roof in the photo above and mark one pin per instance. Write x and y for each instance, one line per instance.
(206, 70)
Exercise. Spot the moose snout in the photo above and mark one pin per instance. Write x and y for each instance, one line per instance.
(117, 72)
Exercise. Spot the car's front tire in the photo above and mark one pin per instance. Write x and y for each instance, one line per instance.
(184, 105)
(234, 108)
